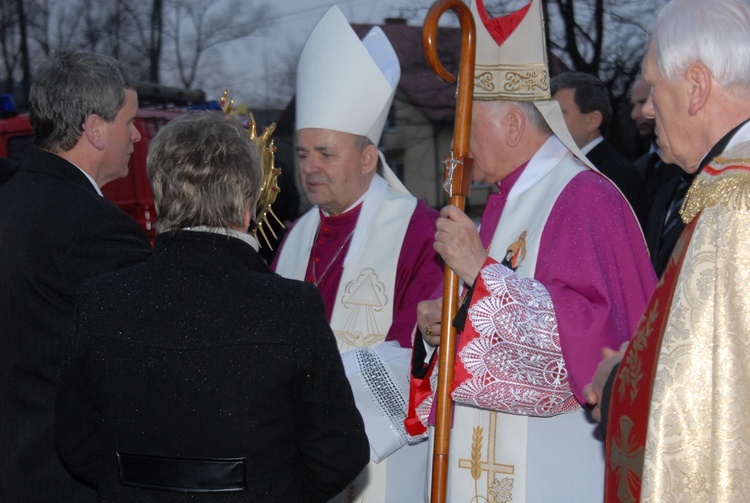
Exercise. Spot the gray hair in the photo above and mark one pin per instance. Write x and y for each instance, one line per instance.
(70, 87)
(534, 116)
(527, 108)
(590, 94)
(204, 170)
(715, 32)
(362, 142)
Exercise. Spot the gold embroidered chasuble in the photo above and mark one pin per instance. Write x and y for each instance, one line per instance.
(697, 442)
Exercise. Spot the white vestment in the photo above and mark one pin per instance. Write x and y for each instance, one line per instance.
(502, 457)
(362, 315)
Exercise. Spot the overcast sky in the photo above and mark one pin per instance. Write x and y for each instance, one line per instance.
(254, 68)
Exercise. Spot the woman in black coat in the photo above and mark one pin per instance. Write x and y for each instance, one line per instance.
(201, 375)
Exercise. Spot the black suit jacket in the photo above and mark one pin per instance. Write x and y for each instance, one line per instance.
(655, 173)
(621, 171)
(203, 352)
(661, 244)
(55, 231)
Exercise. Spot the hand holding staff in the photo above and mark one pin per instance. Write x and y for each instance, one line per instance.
(457, 185)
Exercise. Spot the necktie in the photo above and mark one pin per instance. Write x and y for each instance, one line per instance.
(654, 161)
(673, 213)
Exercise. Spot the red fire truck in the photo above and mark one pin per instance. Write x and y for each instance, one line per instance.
(158, 105)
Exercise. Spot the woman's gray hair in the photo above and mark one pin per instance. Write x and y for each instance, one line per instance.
(70, 87)
(716, 33)
(204, 171)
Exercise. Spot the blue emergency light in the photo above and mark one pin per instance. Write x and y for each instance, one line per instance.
(7, 106)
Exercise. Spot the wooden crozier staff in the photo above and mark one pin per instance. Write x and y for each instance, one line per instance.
(457, 185)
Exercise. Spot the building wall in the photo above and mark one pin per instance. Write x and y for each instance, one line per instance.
(415, 148)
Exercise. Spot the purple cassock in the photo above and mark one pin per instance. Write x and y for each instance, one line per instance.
(591, 264)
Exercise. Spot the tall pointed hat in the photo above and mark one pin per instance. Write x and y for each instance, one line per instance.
(511, 64)
(346, 84)
(343, 83)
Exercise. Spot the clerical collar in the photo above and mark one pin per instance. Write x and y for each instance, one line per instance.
(350, 208)
(332, 223)
(505, 185)
(727, 141)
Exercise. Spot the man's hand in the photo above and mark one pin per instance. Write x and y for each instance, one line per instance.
(429, 320)
(457, 241)
(593, 391)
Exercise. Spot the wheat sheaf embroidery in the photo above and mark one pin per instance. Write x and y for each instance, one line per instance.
(632, 372)
(476, 452)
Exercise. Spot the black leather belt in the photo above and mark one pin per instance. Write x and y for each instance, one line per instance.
(182, 474)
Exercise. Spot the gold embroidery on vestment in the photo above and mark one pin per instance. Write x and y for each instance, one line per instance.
(632, 367)
(517, 82)
(625, 459)
(730, 189)
(720, 159)
(363, 297)
(528, 80)
(491, 466)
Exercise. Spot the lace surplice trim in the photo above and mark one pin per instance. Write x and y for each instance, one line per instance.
(516, 361)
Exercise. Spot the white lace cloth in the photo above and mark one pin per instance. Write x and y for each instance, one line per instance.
(514, 358)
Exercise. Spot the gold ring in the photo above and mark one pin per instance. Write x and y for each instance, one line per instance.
(428, 330)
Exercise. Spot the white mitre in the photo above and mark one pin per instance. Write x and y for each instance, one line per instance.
(511, 65)
(343, 83)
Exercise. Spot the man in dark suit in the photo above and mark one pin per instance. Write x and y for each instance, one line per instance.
(219, 378)
(57, 230)
(587, 110)
(666, 185)
(664, 224)
(654, 172)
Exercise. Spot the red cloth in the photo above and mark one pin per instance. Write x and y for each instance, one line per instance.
(500, 28)
(631, 391)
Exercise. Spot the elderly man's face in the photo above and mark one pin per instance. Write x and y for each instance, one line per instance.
(638, 96)
(668, 106)
(487, 144)
(333, 171)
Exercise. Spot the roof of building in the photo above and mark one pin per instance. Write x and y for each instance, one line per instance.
(419, 85)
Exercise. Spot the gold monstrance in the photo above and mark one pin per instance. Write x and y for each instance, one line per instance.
(269, 189)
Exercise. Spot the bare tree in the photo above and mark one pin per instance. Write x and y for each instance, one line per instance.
(31, 30)
(9, 42)
(606, 38)
(155, 38)
(195, 26)
(25, 61)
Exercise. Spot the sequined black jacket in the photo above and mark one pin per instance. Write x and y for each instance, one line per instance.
(203, 353)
